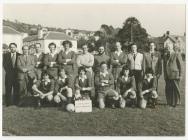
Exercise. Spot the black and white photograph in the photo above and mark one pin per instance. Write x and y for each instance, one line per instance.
(93, 69)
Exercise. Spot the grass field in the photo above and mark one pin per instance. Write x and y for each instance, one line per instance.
(53, 121)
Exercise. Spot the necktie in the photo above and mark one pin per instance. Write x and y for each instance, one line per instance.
(168, 55)
(134, 56)
(13, 59)
(151, 55)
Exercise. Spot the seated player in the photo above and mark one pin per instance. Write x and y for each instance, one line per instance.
(63, 90)
(82, 85)
(149, 91)
(104, 83)
(126, 87)
(43, 89)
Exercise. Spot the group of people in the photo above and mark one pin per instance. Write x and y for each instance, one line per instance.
(118, 80)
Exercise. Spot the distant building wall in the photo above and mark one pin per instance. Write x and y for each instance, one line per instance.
(34, 42)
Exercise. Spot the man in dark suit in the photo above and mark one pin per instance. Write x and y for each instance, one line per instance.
(26, 72)
(50, 61)
(172, 75)
(10, 67)
(152, 59)
(66, 58)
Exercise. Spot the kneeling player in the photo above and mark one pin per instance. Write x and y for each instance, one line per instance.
(126, 87)
(104, 83)
(149, 92)
(63, 86)
(43, 89)
(82, 85)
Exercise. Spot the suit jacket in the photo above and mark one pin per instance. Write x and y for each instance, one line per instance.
(29, 64)
(62, 56)
(172, 66)
(98, 59)
(122, 59)
(40, 59)
(155, 63)
(7, 64)
(98, 80)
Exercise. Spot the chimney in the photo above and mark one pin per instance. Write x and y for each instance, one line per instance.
(167, 33)
(68, 32)
(42, 32)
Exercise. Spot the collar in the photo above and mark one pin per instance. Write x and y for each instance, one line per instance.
(149, 78)
(134, 53)
(13, 54)
(52, 54)
(82, 78)
(66, 52)
(101, 54)
(104, 73)
(125, 78)
(48, 81)
(118, 52)
(62, 79)
(37, 54)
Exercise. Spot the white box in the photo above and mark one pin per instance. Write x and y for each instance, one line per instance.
(83, 106)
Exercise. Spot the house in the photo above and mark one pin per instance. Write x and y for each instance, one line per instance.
(45, 37)
(10, 35)
(176, 40)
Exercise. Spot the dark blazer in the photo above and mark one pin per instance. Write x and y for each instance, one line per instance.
(172, 66)
(47, 61)
(99, 77)
(62, 56)
(98, 59)
(29, 64)
(122, 59)
(40, 59)
(7, 63)
(155, 63)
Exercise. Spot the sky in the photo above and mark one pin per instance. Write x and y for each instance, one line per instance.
(155, 18)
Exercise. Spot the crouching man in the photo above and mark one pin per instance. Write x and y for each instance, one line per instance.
(126, 87)
(43, 89)
(104, 83)
(83, 85)
(149, 92)
(63, 91)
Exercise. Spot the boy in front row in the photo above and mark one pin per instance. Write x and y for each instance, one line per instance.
(83, 85)
(104, 83)
(43, 89)
(126, 87)
(149, 91)
(63, 90)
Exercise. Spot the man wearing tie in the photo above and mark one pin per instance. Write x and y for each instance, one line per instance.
(26, 71)
(39, 56)
(9, 64)
(172, 74)
(135, 62)
(152, 59)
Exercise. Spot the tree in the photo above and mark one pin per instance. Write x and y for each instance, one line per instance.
(132, 31)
